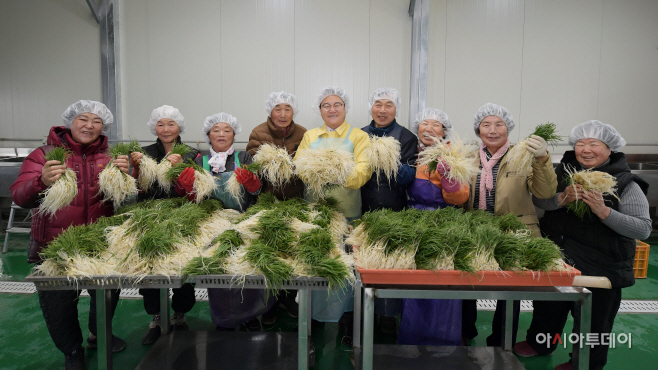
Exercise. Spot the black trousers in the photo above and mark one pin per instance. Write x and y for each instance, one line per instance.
(550, 318)
(182, 301)
(497, 337)
(60, 310)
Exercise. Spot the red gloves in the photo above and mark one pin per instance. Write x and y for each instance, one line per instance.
(247, 179)
(186, 180)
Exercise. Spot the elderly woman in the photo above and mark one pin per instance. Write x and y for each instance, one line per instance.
(431, 190)
(229, 308)
(280, 130)
(85, 124)
(499, 190)
(167, 123)
(432, 321)
(602, 243)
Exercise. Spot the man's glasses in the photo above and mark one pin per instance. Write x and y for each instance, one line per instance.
(327, 106)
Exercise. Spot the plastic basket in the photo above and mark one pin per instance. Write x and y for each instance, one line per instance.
(641, 263)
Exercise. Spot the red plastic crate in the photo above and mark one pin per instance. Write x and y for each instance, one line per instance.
(482, 278)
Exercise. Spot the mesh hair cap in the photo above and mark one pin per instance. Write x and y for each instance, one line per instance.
(328, 91)
(281, 97)
(217, 118)
(166, 111)
(597, 130)
(434, 114)
(491, 109)
(88, 106)
(387, 93)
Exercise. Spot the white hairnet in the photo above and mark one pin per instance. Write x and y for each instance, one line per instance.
(435, 114)
(597, 130)
(388, 93)
(328, 91)
(88, 106)
(281, 97)
(491, 109)
(217, 118)
(166, 111)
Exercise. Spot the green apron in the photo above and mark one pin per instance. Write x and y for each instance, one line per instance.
(349, 200)
(220, 191)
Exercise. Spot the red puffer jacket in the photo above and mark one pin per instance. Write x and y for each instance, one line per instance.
(87, 206)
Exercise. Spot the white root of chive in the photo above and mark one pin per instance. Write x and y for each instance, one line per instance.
(276, 164)
(358, 236)
(520, 159)
(599, 181)
(204, 184)
(338, 227)
(48, 268)
(483, 260)
(116, 185)
(300, 227)
(248, 227)
(148, 172)
(234, 188)
(461, 159)
(319, 168)
(211, 228)
(60, 194)
(163, 167)
(383, 155)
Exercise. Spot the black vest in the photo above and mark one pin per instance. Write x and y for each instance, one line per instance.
(588, 244)
(385, 195)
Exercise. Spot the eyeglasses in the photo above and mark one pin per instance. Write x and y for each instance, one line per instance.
(327, 106)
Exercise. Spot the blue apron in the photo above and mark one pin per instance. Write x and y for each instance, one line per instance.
(329, 306)
(349, 200)
(220, 191)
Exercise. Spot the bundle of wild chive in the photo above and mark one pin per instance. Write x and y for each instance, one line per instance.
(62, 192)
(204, 183)
(114, 184)
(164, 166)
(520, 159)
(599, 181)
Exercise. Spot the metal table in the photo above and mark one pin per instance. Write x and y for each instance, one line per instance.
(196, 347)
(364, 356)
(103, 285)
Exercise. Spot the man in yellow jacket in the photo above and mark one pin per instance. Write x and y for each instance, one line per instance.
(333, 104)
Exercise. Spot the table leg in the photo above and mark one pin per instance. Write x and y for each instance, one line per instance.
(303, 330)
(508, 324)
(164, 310)
(583, 326)
(368, 327)
(104, 328)
(356, 335)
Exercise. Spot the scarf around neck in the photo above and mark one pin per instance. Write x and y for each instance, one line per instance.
(217, 161)
(486, 178)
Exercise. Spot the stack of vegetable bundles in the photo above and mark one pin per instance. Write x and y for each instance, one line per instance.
(279, 240)
(450, 239)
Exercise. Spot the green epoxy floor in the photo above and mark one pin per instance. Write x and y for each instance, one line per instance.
(26, 344)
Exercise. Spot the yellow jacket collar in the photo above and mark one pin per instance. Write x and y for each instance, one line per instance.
(340, 130)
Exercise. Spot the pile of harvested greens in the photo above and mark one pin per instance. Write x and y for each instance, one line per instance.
(277, 239)
(450, 239)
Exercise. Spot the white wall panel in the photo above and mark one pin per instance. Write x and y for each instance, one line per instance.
(390, 53)
(629, 71)
(483, 58)
(332, 43)
(436, 55)
(560, 67)
(49, 58)
(171, 54)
